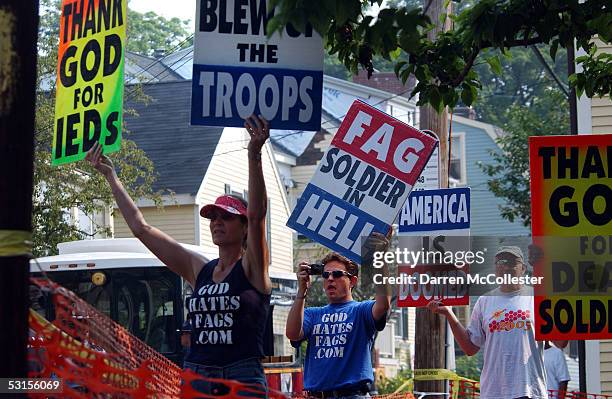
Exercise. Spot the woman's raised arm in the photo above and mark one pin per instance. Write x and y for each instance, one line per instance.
(180, 260)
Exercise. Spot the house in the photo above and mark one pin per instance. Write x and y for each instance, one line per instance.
(193, 163)
(595, 117)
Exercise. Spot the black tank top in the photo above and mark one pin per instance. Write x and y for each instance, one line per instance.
(227, 318)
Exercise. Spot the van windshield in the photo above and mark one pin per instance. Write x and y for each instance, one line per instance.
(146, 301)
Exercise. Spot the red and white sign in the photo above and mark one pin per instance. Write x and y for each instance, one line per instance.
(362, 181)
(433, 282)
(384, 142)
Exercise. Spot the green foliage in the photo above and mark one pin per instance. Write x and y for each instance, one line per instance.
(469, 366)
(59, 191)
(509, 171)
(390, 385)
(595, 77)
(444, 66)
(522, 80)
(333, 67)
(149, 32)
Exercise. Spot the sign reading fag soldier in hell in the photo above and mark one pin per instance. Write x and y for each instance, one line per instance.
(362, 181)
(89, 97)
(571, 212)
(239, 71)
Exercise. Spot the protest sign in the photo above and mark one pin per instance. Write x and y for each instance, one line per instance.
(362, 181)
(436, 210)
(239, 71)
(89, 95)
(571, 213)
(446, 283)
(429, 179)
(436, 224)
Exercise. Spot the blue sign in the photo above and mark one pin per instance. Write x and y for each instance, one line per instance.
(333, 222)
(225, 96)
(436, 210)
(240, 68)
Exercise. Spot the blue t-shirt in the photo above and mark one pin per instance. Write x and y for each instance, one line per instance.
(340, 339)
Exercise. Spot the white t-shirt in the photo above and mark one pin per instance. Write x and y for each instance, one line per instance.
(556, 368)
(502, 325)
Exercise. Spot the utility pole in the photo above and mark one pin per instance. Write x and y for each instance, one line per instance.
(18, 37)
(573, 108)
(430, 349)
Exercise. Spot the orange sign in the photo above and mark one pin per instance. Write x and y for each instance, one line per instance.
(571, 216)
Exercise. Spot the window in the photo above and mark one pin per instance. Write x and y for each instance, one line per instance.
(279, 344)
(457, 170)
(401, 325)
(573, 349)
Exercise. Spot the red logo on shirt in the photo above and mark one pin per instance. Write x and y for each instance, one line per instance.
(519, 319)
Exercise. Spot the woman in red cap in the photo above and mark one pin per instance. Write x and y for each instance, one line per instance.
(231, 294)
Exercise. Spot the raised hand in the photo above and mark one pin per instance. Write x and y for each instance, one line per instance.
(259, 130)
(100, 161)
(437, 307)
(303, 278)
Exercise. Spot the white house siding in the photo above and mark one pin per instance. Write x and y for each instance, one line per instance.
(174, 220)
(601, 123)
(601, 108)
(605, 353)
(230, 166)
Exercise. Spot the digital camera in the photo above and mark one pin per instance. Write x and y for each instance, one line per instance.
(315, 269)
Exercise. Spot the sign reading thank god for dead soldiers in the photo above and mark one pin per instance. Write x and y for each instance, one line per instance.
(89, 96)
(362, 181)
(571, 212)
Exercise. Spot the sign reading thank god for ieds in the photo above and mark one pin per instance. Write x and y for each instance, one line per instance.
(239, 71)
(362, 181)
(89, 97)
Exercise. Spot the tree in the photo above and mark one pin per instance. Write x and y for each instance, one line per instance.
(59, 189)
(510, 174)
(521, 82)
(150, 32)
(469, 366)
(388, 386)
(444, 66)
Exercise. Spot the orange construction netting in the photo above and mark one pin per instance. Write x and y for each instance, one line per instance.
(95, 357)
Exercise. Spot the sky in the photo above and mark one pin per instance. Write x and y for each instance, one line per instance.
(183, 9)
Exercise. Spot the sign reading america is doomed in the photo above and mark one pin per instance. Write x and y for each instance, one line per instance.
(362, 181)
(571, 213)
(89, 95)
(435, 221)
(239, 71)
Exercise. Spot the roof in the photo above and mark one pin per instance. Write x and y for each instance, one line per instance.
(141, 68)
(386, 81)
(180, 152)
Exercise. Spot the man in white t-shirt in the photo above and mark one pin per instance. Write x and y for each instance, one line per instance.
(502, 325)
(557, 374)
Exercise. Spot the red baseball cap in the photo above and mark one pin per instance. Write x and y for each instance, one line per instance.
(225, 203)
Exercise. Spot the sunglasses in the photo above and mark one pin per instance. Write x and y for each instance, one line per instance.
(336, 274)
(507, 263)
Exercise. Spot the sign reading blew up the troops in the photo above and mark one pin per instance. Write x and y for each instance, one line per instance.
(239, 71)
(362, 181)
